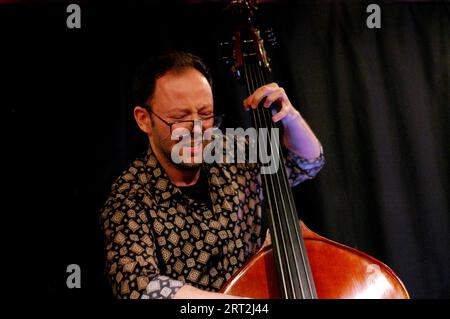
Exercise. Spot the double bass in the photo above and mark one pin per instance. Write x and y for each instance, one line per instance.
(299, 264)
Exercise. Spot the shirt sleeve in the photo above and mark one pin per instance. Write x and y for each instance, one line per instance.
(131, 259)
(162, 287)
(299, 169)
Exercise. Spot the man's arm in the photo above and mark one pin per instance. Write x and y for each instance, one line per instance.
(190, 292)
(299, 138)
(164, 287)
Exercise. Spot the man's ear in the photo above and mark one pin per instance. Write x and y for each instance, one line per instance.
(143, 120)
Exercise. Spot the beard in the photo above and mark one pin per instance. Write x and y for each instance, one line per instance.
(188, 166)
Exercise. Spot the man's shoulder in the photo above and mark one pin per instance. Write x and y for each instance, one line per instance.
(129, 189)
(133, 177)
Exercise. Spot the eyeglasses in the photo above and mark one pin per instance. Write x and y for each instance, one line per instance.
(206, 122)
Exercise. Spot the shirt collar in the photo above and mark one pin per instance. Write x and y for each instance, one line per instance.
(151, 163)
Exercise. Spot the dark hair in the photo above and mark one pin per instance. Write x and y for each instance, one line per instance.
(157, 66)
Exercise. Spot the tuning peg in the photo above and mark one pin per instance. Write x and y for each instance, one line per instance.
(270, 37)
(236, 72)
(272, 42)
(227, 60)
(225, 52)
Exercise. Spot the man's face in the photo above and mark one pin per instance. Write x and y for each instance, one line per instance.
(180, 95)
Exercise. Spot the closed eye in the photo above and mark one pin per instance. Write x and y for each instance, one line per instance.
(179, 117)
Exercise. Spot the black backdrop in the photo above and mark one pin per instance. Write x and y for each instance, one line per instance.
(378, 99)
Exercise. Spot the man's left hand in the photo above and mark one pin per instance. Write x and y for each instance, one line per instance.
(298, 136)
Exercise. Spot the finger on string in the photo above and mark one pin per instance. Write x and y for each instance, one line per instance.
(277, 95)
(281, 114)
(259, 94)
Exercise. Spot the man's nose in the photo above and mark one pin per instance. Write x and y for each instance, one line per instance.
(198, 126)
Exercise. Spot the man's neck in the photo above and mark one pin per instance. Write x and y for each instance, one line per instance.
(179, 176)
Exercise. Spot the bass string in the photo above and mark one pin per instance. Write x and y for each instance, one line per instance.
(299, 248)
(290, 226)
(273, 202)
(270, 201)
(290, 222)
(287, 222)
(281, 209)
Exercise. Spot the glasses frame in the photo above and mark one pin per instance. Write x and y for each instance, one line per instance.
(170, 124)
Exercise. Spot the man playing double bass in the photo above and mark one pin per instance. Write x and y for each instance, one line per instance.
(181, 230)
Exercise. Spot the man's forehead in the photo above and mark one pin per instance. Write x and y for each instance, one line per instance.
(182, 79)
(187, 87)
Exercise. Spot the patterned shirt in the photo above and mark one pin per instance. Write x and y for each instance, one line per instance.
(158, 239)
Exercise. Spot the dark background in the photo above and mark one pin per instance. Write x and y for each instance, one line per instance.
(378, 99)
